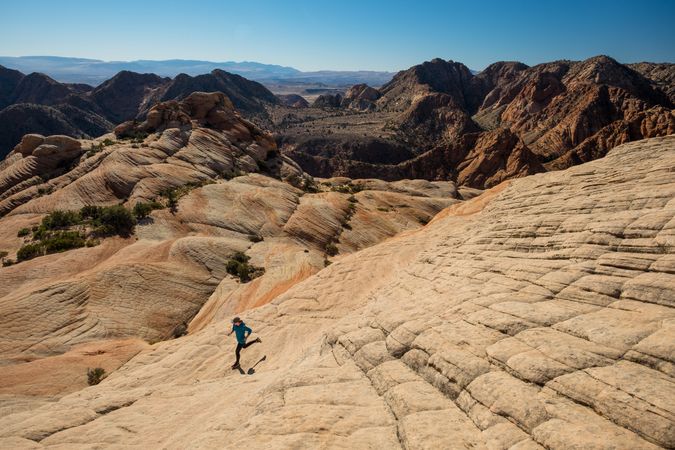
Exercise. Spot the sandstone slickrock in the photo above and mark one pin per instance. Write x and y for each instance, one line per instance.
(536, 315)
(174, 267)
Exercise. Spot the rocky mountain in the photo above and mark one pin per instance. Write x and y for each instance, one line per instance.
(508, 120)
(537, 314)
(36, 103)
(247, 96)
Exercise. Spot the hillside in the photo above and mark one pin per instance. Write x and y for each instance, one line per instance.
(536, 315)
(36, 103)
(509, 120)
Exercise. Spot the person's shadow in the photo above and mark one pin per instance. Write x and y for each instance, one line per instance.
(251, 371)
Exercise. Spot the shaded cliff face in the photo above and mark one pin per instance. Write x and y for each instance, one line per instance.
(538, 314)
(36, 103)
(509, 120)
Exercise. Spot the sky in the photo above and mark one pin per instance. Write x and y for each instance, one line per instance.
(341, 35)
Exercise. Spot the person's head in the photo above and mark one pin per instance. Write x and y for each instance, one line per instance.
(236, 321)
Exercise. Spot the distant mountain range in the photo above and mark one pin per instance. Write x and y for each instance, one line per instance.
(95, 72)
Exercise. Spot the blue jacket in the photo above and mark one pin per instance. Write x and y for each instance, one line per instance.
(240, 330)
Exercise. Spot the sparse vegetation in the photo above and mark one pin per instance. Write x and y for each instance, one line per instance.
(238, 266)
(143, 209)
(95, 376)
(3, 253)
(135, 137)
(55, 233)
(331, 249)
(23, 232)
(347, 188)
(255, 238)
(173, 194)
(96, 148)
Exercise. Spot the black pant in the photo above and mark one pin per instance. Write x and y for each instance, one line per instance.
(240, 346)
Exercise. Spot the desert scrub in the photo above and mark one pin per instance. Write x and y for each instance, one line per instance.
(239, 267)
(173, 194)
(143, 209)
(347, 188)
(52, 242)
(23, 232)
(331, 249)
(65, 230)
(95, 376)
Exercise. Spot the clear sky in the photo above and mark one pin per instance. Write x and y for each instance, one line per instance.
(341, 35)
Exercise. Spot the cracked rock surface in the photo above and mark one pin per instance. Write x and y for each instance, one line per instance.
(540, 314)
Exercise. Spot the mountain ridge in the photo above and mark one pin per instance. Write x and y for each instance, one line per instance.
(93, 71)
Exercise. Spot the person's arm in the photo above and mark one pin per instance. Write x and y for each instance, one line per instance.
(231, 331)
(248, 331)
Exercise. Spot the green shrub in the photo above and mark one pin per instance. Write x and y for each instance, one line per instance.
(95, 376)
(92, 242)
(90, 212)
(7, 262)
(29, 251)
(115, 220)
(107, 141)
(61, 219)
(239, 267)
(23, 232)
(94, 149)
(142, 210)
(240, 257)
(331, 249)
(65, 240)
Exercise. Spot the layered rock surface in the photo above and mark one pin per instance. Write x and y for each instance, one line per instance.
(537, 315)
(240, 195)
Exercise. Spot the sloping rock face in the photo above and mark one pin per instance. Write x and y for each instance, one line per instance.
(249, 97)
(360, 97)
(123, 95)
(327, 101)
(537, 315)
(101, 305)
(293, 100)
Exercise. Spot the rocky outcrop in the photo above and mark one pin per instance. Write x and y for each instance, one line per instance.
(328, 101)
(124, 96)
(536, 315)
(360, 97)
(293, 100)
(249, 97)
(661, 75)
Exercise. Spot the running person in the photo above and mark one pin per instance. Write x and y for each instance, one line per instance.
(242, 332)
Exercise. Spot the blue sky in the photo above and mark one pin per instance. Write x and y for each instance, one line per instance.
(341, 35)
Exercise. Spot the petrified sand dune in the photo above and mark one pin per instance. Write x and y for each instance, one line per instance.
(538, 315)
